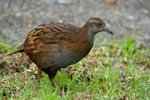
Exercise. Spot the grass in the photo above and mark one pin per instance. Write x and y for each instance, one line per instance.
(4, 46)
(118, 70)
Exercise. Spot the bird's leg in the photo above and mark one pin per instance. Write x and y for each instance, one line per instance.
(38, 75)
(53, 82)
(51, 77)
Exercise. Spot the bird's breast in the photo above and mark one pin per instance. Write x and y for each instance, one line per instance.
(73, 54)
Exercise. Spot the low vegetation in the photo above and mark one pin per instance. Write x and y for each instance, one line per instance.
(118, 70)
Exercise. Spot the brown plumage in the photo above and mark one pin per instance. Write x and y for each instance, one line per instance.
(53, 46)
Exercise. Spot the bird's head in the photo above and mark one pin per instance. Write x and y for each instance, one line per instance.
(96, 25)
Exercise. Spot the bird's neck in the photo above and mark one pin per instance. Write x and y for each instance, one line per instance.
(87, 34)
(90, 36)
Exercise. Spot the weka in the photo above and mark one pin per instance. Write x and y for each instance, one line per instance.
(53, 46)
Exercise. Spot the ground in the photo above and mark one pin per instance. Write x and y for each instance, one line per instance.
(118, 67)
(18, 17)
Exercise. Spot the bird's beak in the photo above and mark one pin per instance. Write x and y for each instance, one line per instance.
(105, 29)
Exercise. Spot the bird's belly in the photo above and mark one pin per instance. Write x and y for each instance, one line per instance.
(67, 58)
(61, 57)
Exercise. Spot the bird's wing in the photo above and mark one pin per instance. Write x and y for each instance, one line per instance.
(51, 33)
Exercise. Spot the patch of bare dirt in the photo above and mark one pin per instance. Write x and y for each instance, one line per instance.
(16, 64)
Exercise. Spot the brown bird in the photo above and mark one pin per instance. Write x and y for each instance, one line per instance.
(53, 46)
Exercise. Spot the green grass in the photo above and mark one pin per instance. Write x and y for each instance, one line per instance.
(4, 46)
(120, 69)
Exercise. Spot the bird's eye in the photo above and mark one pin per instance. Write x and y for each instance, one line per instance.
(99, 24)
